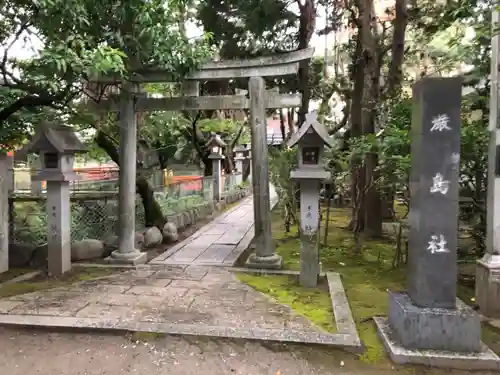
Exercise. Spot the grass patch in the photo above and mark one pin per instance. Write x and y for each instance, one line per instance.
(314, 304)
(13, 273)
(366, 277)
(43, 282)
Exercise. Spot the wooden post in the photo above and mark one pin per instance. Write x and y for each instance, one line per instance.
(264, 257)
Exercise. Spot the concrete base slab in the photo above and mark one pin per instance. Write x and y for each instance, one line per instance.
(486, 359)
(271, 262)
(132, 258)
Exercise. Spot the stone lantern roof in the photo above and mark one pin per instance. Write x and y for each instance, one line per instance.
(310, 125)
(53, 138)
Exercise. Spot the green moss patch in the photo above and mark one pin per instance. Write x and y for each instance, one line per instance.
(313, 303)
(367, 277)
(44, 282)
(13, 273)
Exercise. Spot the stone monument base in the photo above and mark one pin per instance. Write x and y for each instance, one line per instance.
(486, 359)
(434, 328)
(273, 262)
(132, 258)
(488, 286)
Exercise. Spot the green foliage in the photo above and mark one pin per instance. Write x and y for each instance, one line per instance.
(281, 163)
(76, 40)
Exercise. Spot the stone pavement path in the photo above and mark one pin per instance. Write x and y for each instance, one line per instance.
(218, 243)
(169, 299)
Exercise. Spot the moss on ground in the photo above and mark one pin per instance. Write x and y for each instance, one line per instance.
(43, 282)
(146, 336)
(13, 273)
(366, 277)
(314, 304)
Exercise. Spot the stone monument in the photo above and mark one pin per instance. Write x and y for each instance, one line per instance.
(215, 144)
(311, 139)
(428, 324)
(57, 146)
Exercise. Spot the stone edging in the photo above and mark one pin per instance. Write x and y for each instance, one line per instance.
(86, 324)
(346, 327)
(23, 277)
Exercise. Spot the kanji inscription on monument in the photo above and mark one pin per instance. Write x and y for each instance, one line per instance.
(434, 192)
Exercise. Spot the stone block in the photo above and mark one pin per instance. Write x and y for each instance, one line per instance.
(488, 289)
(434, 328)
(170, 233)
(180, 221)
(87, 249)
(188, 217)
(139, 240)
(152, 237)
(484, 360)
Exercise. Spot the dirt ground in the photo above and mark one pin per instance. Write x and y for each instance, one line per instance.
(29, 352)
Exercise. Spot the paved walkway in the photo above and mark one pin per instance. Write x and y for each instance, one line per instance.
(218, 243)
(201, 301)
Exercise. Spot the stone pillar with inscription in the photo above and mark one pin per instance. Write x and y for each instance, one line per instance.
(488, 268)
(238, 161)
(428, 315)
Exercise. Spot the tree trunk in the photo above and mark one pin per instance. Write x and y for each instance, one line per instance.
(371, 52)
(307, 25)
(357, 169)
(152, 210)
(282, 125)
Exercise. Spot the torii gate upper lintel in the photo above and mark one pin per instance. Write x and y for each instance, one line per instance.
(130, 101)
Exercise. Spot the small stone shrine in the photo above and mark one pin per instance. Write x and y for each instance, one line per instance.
(311, 139)
(57, 146)
(428, 324)
(215, 144)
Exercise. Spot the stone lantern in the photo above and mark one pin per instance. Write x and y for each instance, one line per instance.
(215, 145)
(57, 146)
(239, 159)
(311, 139)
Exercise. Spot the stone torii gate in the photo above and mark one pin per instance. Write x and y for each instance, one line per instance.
(130, 101)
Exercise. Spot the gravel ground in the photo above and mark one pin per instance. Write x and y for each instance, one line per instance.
(26, 352)
(29, 352)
